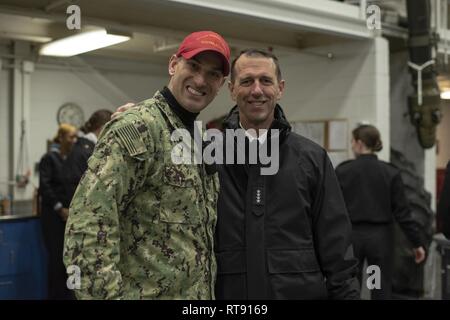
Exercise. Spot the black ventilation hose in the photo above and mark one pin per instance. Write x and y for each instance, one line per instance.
(421, 39)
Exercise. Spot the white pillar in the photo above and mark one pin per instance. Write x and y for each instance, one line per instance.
(20, 109)
(430, 174)
(382, 100)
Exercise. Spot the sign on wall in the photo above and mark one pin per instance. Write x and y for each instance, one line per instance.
(331, 134)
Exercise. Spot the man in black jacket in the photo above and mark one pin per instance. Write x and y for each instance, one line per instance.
(285, 235)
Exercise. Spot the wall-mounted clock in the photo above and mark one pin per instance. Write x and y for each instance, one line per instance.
(70, 113)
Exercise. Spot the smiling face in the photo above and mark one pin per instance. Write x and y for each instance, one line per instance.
(256, 90)
(195, 82)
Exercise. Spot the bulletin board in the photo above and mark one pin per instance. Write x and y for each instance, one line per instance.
(331, 134)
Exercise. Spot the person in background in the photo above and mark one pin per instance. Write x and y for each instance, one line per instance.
(444, 204)
(54, 208)
(76, 163)
(374, 195)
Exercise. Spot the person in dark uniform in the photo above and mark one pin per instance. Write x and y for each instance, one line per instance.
(76, 163)
(284, 235)
(444, 204)
(374, 194)
(54, 208)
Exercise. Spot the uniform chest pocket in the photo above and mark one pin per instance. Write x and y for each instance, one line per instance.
(179, 199)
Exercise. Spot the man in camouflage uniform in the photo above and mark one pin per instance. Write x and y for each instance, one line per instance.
(140, 226)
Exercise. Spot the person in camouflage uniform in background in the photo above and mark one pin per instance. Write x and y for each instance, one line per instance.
(140, 226)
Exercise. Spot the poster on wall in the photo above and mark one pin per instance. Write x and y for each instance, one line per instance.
(314, 131)
(337, 135)
(330, 134)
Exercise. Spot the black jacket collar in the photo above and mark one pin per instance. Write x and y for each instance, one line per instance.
(280, 122)
(371, 156)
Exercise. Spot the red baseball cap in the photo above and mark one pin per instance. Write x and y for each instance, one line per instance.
(201, 41)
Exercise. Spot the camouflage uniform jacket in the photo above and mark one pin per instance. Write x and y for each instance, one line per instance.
(141, 227)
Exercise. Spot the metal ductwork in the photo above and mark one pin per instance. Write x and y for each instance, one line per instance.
(425, 104)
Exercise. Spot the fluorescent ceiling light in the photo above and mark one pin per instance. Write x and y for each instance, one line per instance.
(25, 37)
(445, 95)
(81, 42)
